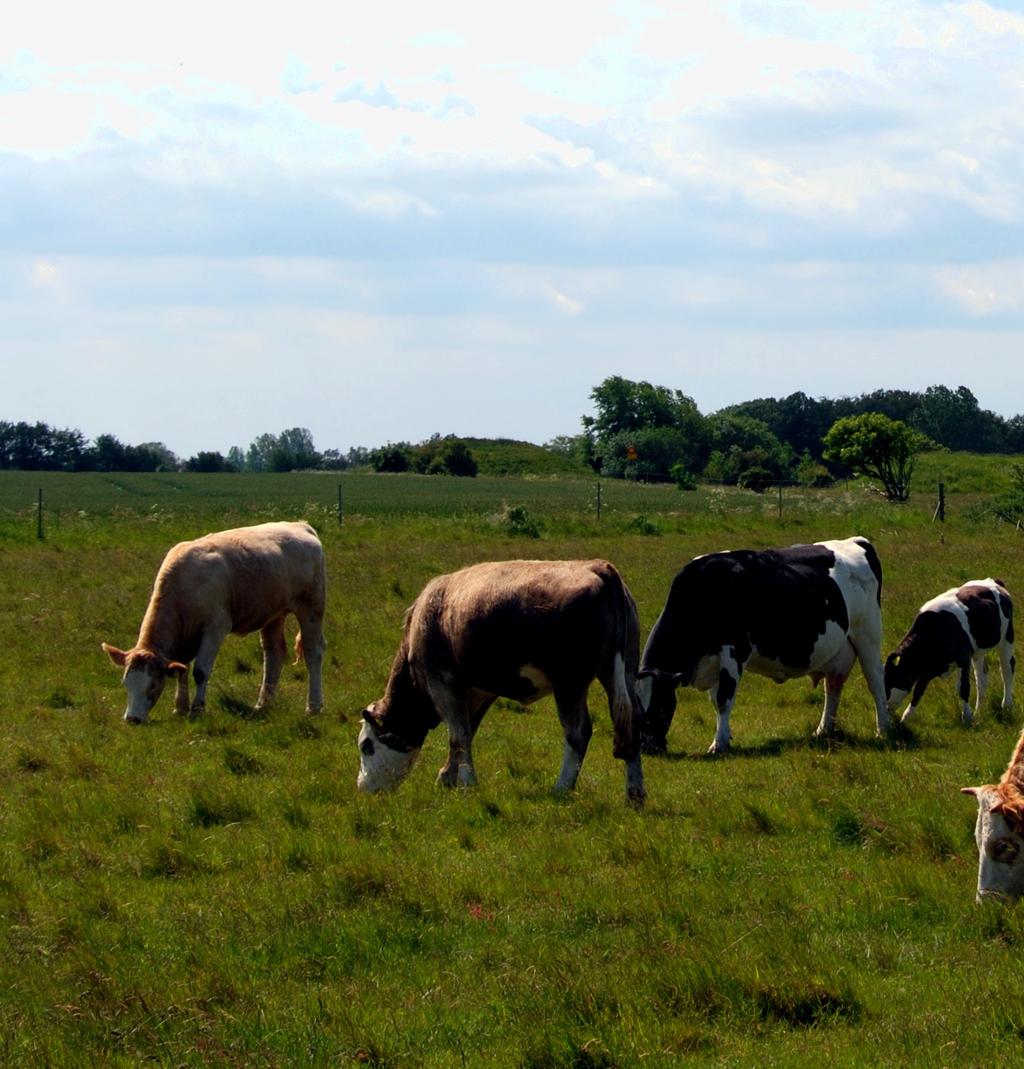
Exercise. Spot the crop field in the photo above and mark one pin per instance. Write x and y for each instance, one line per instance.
(213, 891)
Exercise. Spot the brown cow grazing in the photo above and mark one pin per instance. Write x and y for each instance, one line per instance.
(230, 582)
(513, 629)
(999, 832)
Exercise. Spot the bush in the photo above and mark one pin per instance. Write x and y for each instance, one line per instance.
(684, 478)
(517, 521)
(642, 525)
(390, 457)
(757, 479)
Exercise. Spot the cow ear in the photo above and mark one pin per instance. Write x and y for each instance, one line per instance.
(117, 656)
(176, 668)
(973, 791)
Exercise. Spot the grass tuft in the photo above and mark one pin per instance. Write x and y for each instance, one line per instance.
(239, 763)
(208, 811)
(806, 1005)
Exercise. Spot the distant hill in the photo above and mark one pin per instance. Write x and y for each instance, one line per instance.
(505, 456)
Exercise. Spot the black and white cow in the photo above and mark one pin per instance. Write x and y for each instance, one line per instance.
(512, 629)
(809, 610)
(949, 633)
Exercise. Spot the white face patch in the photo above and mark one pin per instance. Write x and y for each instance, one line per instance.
(144, 685)
(381, 768)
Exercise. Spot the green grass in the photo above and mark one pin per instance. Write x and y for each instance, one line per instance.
(214, 892)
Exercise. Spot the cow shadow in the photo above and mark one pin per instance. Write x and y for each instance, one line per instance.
(899, 739)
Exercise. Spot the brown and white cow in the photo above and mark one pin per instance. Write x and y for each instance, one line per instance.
(949, 633)
(999, 832)
(229, 582)
(513, 629)
(807, 610)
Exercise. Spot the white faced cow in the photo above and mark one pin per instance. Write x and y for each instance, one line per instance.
(949, 633)
(513, 629)
(999, 832)
(809, 610)
(230, 582)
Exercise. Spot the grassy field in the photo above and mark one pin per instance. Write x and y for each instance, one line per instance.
(214, 893)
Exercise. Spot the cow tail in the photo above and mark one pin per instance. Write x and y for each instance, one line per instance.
(624, 704)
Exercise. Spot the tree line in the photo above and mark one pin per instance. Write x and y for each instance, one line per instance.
(656, 433)
(39, 447)
(638, 430)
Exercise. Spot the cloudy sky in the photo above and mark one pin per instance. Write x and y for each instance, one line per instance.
(383, 220)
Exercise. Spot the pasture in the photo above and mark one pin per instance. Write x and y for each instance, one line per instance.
(213, 892)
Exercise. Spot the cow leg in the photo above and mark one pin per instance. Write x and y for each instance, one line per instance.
(479, 705)
(835, 674)
(980, 680)
(723, 695)
(577, 729)
(181, 706)
(868, 649)
(458, 769)
(275, 651)
(311, 636)
(457, 713)
(833, 692)
(626, 710)
(1006, 667)
(965, 691)
(202, 669)
(915, 699)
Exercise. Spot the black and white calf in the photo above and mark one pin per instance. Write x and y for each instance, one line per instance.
(949, 633)
(513, 629)
(809, 610)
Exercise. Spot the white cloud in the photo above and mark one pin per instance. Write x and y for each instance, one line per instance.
(985, 290)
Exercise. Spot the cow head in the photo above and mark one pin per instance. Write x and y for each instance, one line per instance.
(999, 832)
(384, 757)
(145, 674)
(657, 693)
(900, 677)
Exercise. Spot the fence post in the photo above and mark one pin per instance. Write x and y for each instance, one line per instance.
(598, 502)
(940, 508)
(39, 515)
(780, 501)
(341, 510)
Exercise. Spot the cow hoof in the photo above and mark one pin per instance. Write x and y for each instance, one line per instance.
(636, 797)
(134, 720)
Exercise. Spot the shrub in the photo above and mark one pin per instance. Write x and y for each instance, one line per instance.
(684, 478)
(757, 479)
(517, 521)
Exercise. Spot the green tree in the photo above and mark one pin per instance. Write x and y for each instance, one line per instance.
(878, 447)
(624, 405)
(455, 458)
(643, 431)
(393, 457)
(207, 461)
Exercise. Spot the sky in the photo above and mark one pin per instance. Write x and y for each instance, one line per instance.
(383, 221)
